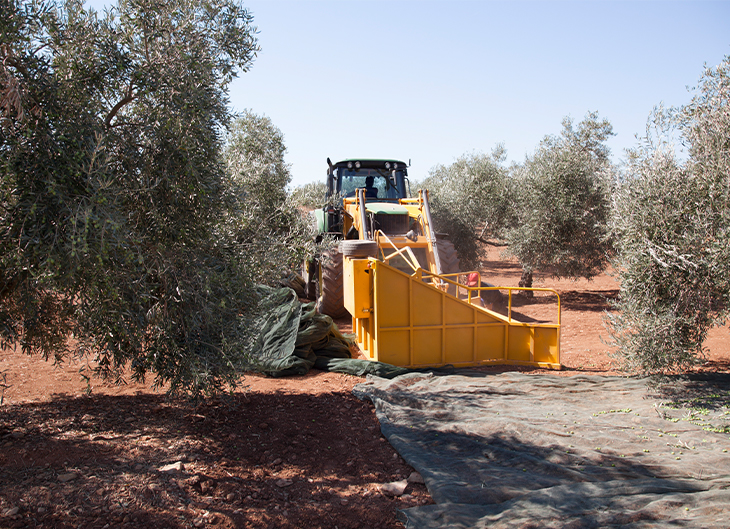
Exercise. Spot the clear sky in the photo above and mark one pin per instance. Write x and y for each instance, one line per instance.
(432, 80)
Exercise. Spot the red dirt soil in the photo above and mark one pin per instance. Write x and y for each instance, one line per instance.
(288, 452)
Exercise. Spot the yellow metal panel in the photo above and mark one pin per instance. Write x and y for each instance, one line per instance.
(459, 345)
(520, 344)
(391, 296)
(485, 317)
(358, 329)
(490, 343)
(427, 304)
(364, 336)
(458, 312)
(546, 345)
(427, 347)
(393, 347)
(358, 287)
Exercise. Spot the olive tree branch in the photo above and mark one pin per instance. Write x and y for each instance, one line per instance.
(125, 101)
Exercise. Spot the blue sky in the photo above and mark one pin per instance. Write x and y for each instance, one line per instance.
(431, 80)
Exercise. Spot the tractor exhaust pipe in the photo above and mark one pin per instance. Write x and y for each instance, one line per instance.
(363, 218)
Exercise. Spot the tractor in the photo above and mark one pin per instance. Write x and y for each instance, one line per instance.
(368, 208)
(400, 281)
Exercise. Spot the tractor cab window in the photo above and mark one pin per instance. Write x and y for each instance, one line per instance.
(377, 183)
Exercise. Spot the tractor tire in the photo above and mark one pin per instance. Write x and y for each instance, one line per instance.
(448, 257)
(358, 248)
(449, 261)
(330, 289)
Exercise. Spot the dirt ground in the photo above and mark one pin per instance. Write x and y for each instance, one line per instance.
(293, 452)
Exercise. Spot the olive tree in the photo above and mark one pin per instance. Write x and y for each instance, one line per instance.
(267, 218)
(471, 200)
(310, 195)
(671, 216)
(561, 210)
(113, 212)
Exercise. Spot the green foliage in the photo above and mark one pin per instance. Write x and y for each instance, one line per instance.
(471, 200)
(276, 232)
(310, 196)
(562, 202)
(255, 158)
(672, 223)
(551, 211)
(114, 217)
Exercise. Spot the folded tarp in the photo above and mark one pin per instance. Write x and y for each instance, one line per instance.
(294, 338)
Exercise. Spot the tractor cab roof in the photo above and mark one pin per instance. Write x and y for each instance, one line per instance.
(388, 178)
(369, 163)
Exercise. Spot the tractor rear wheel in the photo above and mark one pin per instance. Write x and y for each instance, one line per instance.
(448, 257)
(449, 262)
(330, 289)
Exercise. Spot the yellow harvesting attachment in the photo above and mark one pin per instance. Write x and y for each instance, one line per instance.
(405, 315)
(414, 321)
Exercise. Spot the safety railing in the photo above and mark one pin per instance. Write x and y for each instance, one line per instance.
(471, 290)
(442, 281)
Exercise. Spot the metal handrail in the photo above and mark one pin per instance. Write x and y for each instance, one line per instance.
(363, 218)
(470, 290)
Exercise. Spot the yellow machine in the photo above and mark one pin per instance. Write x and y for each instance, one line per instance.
(410, 305)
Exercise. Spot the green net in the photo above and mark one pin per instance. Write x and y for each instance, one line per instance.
(294, 338)
(516, 450)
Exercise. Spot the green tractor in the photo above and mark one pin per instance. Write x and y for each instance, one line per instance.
(368, 208)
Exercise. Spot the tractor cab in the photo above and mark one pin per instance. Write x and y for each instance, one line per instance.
(383, 180)
(385, 184)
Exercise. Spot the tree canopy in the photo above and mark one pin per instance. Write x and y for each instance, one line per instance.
(472, 201)
(267, 218)
(562, 204)
(671, 219)
(551, 211)
(114, 189)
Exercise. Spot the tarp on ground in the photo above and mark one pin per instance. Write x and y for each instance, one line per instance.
(534, 451)
(294, 338)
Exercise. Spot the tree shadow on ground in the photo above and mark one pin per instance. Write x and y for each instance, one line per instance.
(594, 300)
(504, 479)
(591, 300)
(501, 268)
(699, 391)
(255, 459)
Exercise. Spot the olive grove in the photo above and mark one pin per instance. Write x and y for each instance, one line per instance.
(309, 196)
(267, 217)
(551, 212)
(662, 222)
(472, 201)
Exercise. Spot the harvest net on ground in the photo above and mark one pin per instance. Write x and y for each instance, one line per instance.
(515, 450)
(294, 338)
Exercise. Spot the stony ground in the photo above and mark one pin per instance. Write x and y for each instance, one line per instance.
(297, 453)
